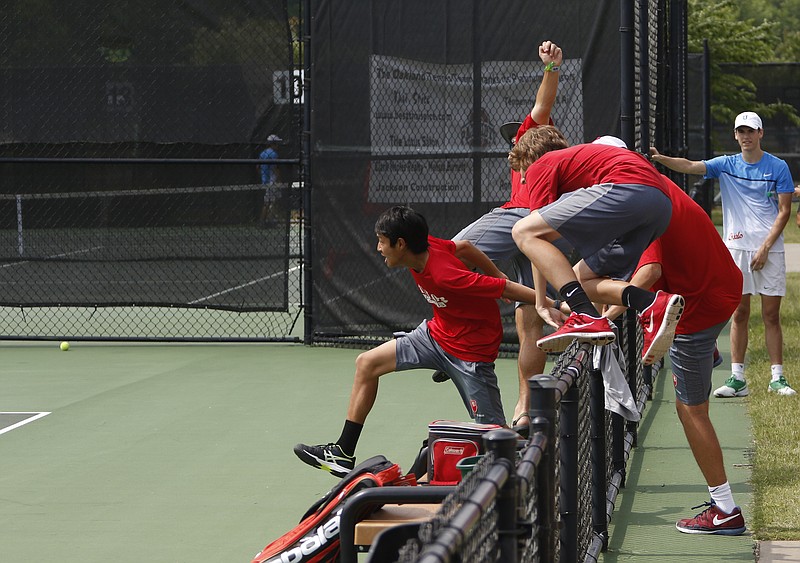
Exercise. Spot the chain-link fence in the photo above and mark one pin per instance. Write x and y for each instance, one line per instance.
(131, 137)
(150, 169)
(409, 98)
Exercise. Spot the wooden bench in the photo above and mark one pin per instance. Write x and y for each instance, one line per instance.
(391, 515)
(400, 505)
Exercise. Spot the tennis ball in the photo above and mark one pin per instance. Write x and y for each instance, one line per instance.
(64, 346)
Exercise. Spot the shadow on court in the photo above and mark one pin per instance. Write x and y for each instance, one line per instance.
(664, 483)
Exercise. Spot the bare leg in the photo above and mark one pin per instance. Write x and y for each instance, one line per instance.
(370, 366)
(533, 237)
(773, 334)
(739, 337)
(703, 441)
(600, 289)
(531, 359)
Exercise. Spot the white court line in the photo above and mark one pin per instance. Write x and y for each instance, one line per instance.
(62, 255)
(22, 422)
(238, 287)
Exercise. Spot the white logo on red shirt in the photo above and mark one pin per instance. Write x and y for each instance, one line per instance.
(440, 302)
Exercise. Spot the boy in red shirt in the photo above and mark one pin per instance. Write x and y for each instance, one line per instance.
(462, 340)
(609, 204)
(491, 233)
(691, 259)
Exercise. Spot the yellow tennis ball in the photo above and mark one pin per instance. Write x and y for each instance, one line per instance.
(64, 346)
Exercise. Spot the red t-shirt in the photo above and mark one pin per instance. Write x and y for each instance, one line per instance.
(695, 264)
(566, 170)
(466, 317)
(519, 195)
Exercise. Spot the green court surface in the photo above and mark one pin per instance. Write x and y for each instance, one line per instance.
(183, 453)
(664, 482)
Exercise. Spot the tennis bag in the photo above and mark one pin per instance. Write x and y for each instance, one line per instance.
(316, 538)
(448, 443)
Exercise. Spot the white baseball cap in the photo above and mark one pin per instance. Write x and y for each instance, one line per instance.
(747, 119)
(610, 140)
(274, 139)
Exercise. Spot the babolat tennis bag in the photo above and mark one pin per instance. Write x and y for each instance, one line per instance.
(448, 443)
(316, 538)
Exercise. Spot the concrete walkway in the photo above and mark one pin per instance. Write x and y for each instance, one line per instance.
(663, 481)
(792, 257)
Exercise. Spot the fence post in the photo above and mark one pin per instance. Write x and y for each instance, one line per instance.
(543, 414)
(597, 419)
(618, 446)
(568, 443)
(633, 359)
(503, 443)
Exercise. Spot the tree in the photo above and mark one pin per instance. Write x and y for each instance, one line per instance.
(732, 39)
(786, 15)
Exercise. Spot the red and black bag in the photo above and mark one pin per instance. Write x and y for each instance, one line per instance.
(448, 443)
(316, 538)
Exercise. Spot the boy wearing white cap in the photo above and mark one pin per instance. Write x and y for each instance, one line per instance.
(756, 189)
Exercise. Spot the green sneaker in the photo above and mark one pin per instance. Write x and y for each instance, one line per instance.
(780, 387)
(733, 388)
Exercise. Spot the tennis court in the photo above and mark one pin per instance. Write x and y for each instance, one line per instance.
(177, 453)
(173, 453)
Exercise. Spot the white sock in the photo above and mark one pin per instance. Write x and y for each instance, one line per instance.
(777, 371)
(723, 497)
(737, 371)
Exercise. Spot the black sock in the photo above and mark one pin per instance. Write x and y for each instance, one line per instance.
(349, 438)
(637, 298)
(576, 298)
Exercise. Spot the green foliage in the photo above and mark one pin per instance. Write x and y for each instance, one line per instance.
(776, 424)
(733, 38)
(786, 15)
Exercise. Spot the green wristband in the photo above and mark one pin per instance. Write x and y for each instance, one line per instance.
(550, 67)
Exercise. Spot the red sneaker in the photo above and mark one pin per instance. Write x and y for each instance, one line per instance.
(658, 323)
(713, 521)
(578, 326)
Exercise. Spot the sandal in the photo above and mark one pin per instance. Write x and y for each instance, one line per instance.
(521, 429)
(515, 422)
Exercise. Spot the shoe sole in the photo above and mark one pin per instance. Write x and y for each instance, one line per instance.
(782, 391)
(666, 332)
(315, 462)
(440, 377)
(744, 392)
(559, 343)
(718, 532)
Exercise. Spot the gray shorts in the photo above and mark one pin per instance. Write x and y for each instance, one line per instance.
(610, 228)
(692, 363)
(476, 381)
(491, 234)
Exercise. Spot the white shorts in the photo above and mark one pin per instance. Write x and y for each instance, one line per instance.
(770, 280)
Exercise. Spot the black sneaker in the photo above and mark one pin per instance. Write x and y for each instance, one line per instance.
(328, 457)
(439, 377)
